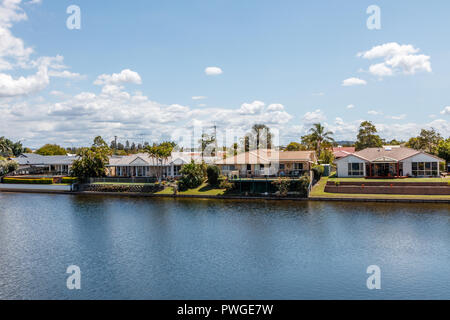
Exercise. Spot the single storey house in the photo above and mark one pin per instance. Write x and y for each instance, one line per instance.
(388, 162)
(267, 162)
(32, 163)
(143, 165)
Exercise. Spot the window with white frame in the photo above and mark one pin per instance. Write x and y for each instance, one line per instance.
(424, 169)
(356, 169)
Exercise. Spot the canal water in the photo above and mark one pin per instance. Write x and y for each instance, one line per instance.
(130, 248)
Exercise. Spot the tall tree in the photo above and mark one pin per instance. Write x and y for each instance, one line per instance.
(160, 153)
(319, 138)
(367, 137)
(262, 136)
(51, 150)
(92, 161)
(295, 146)
(428, 141)
(444, 150)
(9, 148)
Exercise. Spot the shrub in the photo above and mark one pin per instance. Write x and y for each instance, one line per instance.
(28, 181)
(303, 186)
(225, 184)
(192, 177)
(318, 172)
(213, 173)
(69, 180)
(282, 186)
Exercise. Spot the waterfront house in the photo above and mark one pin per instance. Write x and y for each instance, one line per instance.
(390, 161)
(143, 165)
(32, 163)
(268, 163)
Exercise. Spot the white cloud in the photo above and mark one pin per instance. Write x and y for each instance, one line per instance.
(65, 74)
(275, 107)
(399, 117)
(397, 59)
(252, 108)
(199, 98)
(125, 76)
(446, 111)
(213, 71)
(11, 87)
(374, 113)
(353, 82)
(314, 117)
(350, 106)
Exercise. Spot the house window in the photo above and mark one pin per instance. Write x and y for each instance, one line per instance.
(424, 169)
(355, 169)
(298, 166)
(229, 168)
(249, 167)
(282, 166)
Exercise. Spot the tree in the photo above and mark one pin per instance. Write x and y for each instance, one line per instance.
(262, 136)
(7, 166)
(428, 141)
(443, 150)
(318, 138)
(160, 154)
(213, 173)
(295, 146)
(92, 161)
(9, 148)
(192, 177)
(367, 137)
(205, 142)
(327, 157)
(51, 150)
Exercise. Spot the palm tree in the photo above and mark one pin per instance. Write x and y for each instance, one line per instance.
(318, 135)
(5, 148)
(262, 136)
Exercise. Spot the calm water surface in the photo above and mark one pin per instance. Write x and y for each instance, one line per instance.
(189, 249)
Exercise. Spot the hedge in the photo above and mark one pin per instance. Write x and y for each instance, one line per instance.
(28, 181)
(69, 180)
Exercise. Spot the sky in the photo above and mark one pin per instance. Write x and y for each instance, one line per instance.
(160, 70)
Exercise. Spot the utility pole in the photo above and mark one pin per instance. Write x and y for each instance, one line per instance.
(115, 144)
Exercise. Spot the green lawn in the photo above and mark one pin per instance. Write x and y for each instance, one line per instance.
(390, 180)
(319, 192)
(204, 190)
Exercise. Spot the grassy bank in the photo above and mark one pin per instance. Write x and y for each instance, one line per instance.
(319, 192)
(204, 190)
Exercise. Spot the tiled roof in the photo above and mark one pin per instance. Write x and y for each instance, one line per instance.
(266, 156)
(36, 159)
(388, 154)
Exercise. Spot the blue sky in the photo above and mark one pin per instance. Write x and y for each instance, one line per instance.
(283, 63)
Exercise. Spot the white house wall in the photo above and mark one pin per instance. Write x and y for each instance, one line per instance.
(421, 157)
(342, 166)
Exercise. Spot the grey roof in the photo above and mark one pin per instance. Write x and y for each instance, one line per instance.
(36, 159)
(388, 154)
(144, 159)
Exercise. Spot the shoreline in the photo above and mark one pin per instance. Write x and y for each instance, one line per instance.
(211, 197)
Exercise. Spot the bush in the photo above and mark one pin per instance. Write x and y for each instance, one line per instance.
(225, 184)
(282, 186)
(318, 172)
(302, 186)
(28, 181)
(213, 173)
(69, 180)
(192, 177)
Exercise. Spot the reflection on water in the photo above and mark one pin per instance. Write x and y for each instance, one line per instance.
(138, 248)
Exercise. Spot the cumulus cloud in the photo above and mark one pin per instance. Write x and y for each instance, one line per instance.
(125, 76)
(353, 82)
(199, 97)
(213, 71)
(314, 117)
(397, 59)
(11, 87)
(374, 113)
(252, 108)
(399, 117)
(446, 111)
(350, 106)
